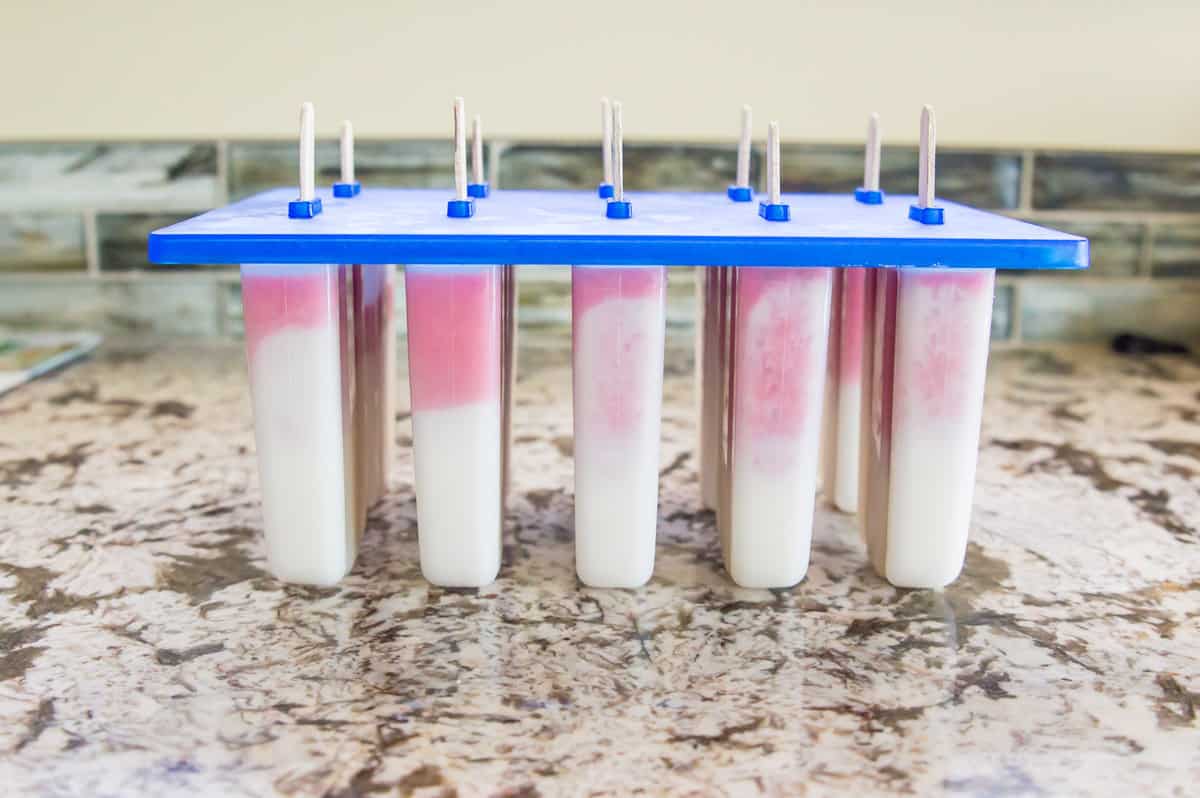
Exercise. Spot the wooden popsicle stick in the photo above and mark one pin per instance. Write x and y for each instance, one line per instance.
(925, 180)
(618, 154)
(346, 151)
(606, 136)
(477, 150)
(308, 160)
(871, 162)
(773, 175)
(460, 150)
(743, 153)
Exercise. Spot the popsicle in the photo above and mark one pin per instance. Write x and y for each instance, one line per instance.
(618, 323)
(845, 372)
(932, 327)
(454, 353)
(780, 324)
(299, 351)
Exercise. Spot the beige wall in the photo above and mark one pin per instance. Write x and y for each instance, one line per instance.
(1110, 75)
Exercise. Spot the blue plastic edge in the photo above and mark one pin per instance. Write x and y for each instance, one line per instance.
(740, 193)
(346, 190)
(460, 209)
(926, 215)
(304, 209)
(478, 190)
(625, 250)
(774, 212)
(605, 190)
(868, 196)
(618, 210)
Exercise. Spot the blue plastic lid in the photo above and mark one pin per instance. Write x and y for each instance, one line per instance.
(558, 227)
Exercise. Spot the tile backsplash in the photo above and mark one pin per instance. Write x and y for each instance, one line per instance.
(74, 219)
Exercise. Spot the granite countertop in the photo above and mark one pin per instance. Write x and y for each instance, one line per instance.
(144, 651)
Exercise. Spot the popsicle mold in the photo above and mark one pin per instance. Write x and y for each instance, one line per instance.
(938, 365)
(618, 334)
(454, 353)
(844, 390)
(300, 357)
(780, 326)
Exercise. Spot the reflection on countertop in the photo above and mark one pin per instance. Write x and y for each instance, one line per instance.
(143, 649)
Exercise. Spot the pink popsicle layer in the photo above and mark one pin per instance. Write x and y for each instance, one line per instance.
(936, 389)
(616, 343)
(850, 341)
(453, 336)
(274, 301)
(775, 363)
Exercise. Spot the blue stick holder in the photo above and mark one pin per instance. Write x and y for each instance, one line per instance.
(605, 190)
(304, 209)
(929, 215)
(346, 190)
(619, 209)
(478, 190)
(460, 209)
(869, 196)
(740, 193)
(774, 211)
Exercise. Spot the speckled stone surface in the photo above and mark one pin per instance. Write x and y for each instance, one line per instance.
(144, 651)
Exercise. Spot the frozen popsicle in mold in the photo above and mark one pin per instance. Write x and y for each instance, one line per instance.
(455, 379)
(780, 327)
(618, 323)
(300, 357)
(618, 328)
(454, 367)
(779, 348)
(932, 328)
(301, 381)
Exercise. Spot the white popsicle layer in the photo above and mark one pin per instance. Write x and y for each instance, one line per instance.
(457, 463)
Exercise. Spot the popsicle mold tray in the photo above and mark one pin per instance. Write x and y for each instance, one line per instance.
(843, 349)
